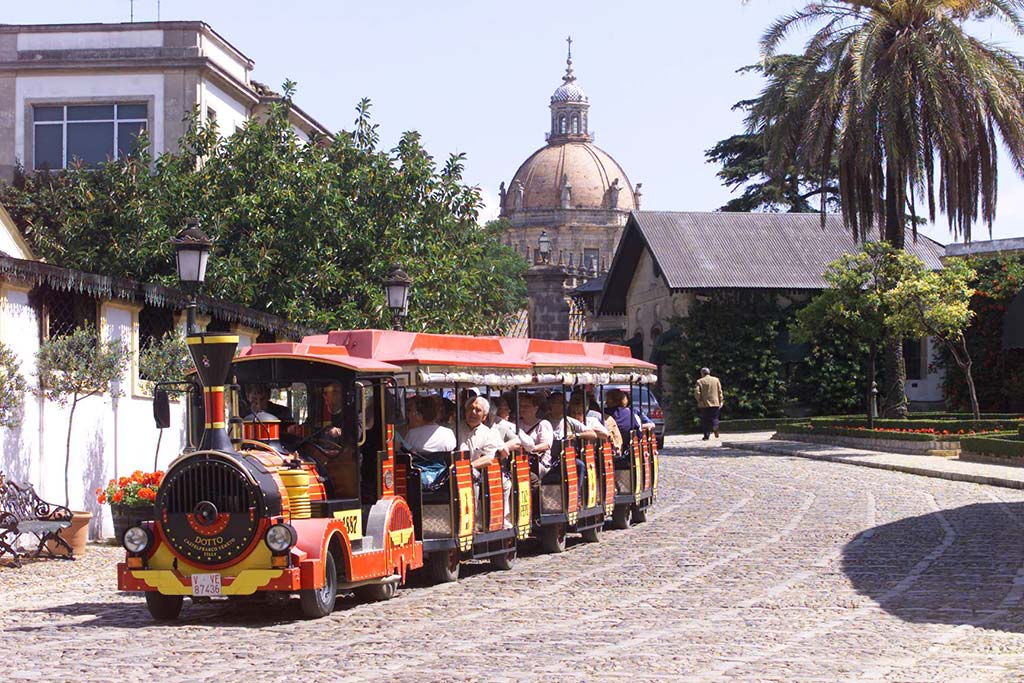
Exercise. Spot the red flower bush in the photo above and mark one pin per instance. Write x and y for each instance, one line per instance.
(135, 491)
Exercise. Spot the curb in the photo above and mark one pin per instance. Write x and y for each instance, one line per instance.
(906, 469)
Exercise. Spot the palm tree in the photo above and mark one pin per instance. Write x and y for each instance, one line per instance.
(911, 105)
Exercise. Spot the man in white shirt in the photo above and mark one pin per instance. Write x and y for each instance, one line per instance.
(425, 435)
(482, 443)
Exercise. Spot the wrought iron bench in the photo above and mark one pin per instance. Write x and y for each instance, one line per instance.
(24, 512)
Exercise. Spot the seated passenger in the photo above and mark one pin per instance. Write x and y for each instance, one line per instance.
(540, 431)
(566, 427)
(588, 418)
(258, 397)
(616, 403)
(511, 437)
(482, 444)
(425, 435)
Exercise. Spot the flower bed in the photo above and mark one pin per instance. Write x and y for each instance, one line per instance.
(923, 440)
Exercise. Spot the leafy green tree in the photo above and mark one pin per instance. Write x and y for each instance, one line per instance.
(744, 157)
(12, 388)
(305, 231)
(74, 367)
(734, 334)
(938, 304)
(856, 305)
(998, 373)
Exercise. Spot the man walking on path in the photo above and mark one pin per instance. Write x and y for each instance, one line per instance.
(708, 393)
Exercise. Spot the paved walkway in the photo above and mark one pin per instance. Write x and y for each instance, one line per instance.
(953, 469)
(752, 567)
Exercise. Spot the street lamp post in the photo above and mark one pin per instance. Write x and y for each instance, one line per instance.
(396, 287)
(191, 252)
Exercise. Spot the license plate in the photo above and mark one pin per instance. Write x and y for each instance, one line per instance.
(206, 585)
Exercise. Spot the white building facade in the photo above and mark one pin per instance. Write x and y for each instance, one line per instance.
(113, 433)
(85, 91)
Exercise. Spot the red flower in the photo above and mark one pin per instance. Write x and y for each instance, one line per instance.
(118, 496)
(147, 494)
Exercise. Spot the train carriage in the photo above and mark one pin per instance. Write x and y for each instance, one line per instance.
(457, 523)
(636, 470)
(569, 503)
(315, 495)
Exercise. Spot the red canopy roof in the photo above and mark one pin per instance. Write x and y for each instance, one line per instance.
(428, 349)
(310, 349)
(387, 350)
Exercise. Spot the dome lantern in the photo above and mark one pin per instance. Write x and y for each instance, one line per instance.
(569, 107)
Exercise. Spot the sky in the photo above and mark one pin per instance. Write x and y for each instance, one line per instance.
(475, 76)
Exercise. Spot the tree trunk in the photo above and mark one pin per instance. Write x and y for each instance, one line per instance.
(895, 232)
(970, 387)
(67, 454)
(895, 380)
(965, 363)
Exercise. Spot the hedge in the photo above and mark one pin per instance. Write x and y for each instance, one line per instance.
(932, 415)
(1007, 445)
(756, 425)
(950, 425)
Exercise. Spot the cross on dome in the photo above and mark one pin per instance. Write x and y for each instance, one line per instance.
(569, 108)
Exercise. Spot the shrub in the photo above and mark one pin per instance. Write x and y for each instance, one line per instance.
(735, 334)
(12, 388)
(1003, 445)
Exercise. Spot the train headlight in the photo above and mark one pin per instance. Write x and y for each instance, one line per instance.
(136, 539)
(281, 537)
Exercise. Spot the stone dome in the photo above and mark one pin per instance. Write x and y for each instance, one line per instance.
(569, 92)
(589, 169)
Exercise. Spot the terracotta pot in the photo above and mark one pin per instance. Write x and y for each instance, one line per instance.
(76, 535)
(125, 517)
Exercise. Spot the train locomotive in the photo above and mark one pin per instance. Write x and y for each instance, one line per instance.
(315, 495)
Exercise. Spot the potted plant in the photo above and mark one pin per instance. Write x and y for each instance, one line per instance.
(71, 368)
(130, 499)
(164, 360)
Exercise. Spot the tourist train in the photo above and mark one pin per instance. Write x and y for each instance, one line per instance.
(313, 492)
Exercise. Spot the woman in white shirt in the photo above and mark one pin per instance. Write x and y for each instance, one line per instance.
(539, 430)
(425, 435)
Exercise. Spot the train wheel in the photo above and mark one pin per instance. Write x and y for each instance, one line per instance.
(639, 515)
(591, 535)
(164, 607)
(504, 561)
(377, 592)
(444, 567)
(552, 538)
(620, 517)
(319, 602)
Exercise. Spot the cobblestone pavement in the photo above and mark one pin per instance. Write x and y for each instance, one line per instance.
(753, 567)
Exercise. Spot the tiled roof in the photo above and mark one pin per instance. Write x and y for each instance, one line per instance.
(722, 250)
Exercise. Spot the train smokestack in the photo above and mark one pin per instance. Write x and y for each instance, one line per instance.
(212, 355)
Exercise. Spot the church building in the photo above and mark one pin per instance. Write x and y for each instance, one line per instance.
(570, 189)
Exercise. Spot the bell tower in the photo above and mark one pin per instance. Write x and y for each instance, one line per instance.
(569, 107)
